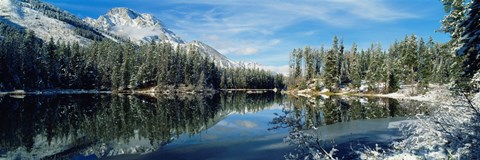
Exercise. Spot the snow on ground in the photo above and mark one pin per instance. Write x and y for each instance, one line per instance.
(436, 94)
(450, 131)
(476, 99)
(9, 9)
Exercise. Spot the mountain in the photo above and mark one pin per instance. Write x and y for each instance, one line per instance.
(143, 28)
(47, 21)
(135, 26)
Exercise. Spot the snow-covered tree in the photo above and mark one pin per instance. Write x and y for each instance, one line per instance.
(463, 23)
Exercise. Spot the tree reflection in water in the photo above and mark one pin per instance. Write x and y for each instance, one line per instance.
(63, 126)
(305, 117)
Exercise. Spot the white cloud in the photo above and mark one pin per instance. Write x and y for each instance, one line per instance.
(246, 27)
(248, 51)
(229, 46)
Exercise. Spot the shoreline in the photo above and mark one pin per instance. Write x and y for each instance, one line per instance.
(435, 94)
(140, 91)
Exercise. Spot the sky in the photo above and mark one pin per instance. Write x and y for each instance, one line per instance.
(266, 31)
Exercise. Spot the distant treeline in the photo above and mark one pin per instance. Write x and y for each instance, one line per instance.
(29, 63)
(410, 61)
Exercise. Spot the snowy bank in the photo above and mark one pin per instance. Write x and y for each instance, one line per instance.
(450, 132)
(435, 94)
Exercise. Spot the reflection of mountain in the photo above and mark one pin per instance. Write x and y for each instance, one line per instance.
(105, 125)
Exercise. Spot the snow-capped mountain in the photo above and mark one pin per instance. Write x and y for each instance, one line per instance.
(135, 26)
(47, 21)
(143, 28)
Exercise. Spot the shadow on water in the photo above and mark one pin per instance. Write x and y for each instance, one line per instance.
(344, 123)
(68, 126)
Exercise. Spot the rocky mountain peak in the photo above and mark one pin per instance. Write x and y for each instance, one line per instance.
(126, 12)
(139, 27)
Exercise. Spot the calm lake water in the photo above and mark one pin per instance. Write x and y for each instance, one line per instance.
(221, 126)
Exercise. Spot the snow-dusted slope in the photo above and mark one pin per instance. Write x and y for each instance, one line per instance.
(135, 26)
(206, 50)
(23, 14)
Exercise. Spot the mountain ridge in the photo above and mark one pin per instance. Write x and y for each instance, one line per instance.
(118, 24)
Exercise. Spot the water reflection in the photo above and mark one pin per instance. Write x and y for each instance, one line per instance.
(318, 125)
(313, 113)
(64, 126)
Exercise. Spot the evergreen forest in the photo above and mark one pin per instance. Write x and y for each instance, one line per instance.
(28, 63)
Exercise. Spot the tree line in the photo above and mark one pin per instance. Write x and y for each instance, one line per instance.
(27, 62)
(409, 61)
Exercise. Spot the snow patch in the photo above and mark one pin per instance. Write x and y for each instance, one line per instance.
(8, 8)
(43, 26)
(436, 94)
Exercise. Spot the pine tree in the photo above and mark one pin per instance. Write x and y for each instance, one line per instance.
(126, 67)
(425, 52)
(338, 51)
(411, 59)
(309, 63)
(462, 23)
(373, 74)
(342, 71)
(354, 67)
(330, 76)
(291, 68)
(27, 55)
(298, 67)
(76, 66)
(162, 68)
(393, 81)
(116, 72)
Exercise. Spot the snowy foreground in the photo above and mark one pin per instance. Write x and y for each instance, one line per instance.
(451, 131)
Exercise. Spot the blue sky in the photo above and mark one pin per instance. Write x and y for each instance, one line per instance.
(265, 31)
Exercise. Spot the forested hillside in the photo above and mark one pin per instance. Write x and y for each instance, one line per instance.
(28, 63)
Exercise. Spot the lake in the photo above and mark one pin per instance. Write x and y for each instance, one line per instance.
(221, 126)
